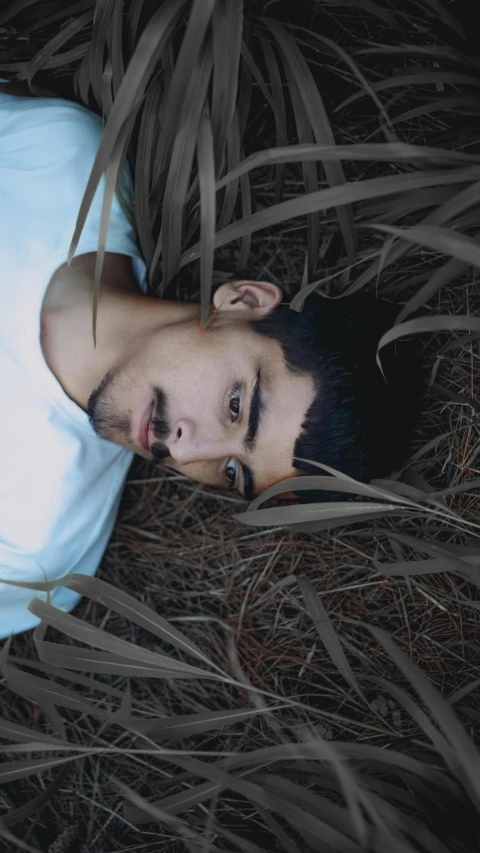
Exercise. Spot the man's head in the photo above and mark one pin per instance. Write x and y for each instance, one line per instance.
(233, 404)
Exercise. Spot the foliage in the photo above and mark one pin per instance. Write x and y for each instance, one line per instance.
(350, 130)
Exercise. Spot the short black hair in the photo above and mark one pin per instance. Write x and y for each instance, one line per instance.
(358, 423)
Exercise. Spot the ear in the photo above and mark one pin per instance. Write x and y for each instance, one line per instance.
(256, 298)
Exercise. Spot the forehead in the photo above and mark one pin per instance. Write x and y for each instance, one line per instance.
(287, 398)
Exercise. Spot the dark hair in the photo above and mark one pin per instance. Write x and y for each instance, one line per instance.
(358, 423)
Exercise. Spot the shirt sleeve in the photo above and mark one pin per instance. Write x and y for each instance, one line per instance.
(48, 146)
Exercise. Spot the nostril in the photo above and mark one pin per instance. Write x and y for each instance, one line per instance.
(179, 433)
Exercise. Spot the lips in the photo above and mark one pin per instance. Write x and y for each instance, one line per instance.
(144, 426)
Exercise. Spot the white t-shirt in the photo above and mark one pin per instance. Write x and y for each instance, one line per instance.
(60, 484)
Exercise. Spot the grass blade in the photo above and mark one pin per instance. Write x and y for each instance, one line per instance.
(327, 633)
(317, 116)
(313, 513)
(75, 628)
(184, 726)
(112, 175)
(440, 323)
(12, 770)
(206, 177)
(233, 159)
(417, 78)
(227, 27)
(279, 111)
(149, 47)
(44, 55)
(443, 240)
(462, 746)
(122, 603)
(377, 151)
(441, 277)
(181, 162)
(323, 199)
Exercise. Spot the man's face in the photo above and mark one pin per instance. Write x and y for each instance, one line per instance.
(226, 410)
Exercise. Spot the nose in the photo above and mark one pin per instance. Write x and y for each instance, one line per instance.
(187, 446)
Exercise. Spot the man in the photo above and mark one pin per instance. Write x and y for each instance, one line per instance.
(229, 406)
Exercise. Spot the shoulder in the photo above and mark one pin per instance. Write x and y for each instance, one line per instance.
(47, 130)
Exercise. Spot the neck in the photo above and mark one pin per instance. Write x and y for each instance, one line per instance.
(125, 321)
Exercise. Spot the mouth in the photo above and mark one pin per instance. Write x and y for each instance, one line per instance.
(144, 429)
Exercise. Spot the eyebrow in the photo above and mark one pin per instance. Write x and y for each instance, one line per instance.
(255, 415)
(257, 408)
(248, 483)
